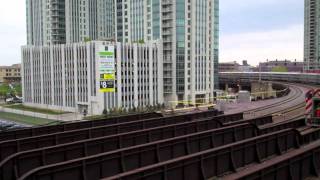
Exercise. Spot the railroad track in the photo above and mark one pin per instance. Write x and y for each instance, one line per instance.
(192, 146)
(279, 107)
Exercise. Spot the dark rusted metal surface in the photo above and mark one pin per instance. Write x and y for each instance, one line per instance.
(199, 165)
(295, 165)
(309, 134)
(257, 121)
(36, 131)
(13, 146)
(282, 125)
(189, 146)
(20, 163)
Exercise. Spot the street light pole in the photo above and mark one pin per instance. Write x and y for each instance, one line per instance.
(259, 72)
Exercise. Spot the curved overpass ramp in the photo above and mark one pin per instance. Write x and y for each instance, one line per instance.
(304, 78)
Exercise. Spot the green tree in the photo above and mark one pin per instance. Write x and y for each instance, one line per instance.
(87, 39)
(105, 112)
(279, 69)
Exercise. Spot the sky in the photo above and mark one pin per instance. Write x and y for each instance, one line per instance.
(257, 30)
(253, 30)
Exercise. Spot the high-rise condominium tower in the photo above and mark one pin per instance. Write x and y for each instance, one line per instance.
(45, 22)
(69, 21)
(189, 30)
(312, 35)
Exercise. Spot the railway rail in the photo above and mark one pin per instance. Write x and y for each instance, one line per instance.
(292, 101)
(190, 146)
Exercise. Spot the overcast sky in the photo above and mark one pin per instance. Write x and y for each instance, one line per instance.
(257, 30)
(254, 30)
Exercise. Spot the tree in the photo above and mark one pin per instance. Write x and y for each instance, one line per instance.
(105, 112)
(279, 69)
(87, 39)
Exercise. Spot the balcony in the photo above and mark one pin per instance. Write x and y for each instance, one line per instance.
(167, 2)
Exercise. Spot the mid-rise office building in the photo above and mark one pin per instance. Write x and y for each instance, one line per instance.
(283, 65)
(68, 76)
(10, 74)
(312, 35)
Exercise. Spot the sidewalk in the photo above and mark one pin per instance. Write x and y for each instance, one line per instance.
(61, 117)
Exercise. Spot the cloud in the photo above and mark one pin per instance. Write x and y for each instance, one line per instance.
(252, 15)
(286, 43)
(251, 4)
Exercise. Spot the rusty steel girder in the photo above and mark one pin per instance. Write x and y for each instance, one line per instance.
(16, 165)
(37, 131)
(13, 146)
(170, 164)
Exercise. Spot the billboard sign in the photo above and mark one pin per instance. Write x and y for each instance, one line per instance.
(107, 68)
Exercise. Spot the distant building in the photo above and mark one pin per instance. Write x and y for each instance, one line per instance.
(68, 76)
(245, 67)
(10, 73)
(285, 65)
(235, 67)
(229, 66)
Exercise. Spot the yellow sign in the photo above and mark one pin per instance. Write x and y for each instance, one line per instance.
(109, 76)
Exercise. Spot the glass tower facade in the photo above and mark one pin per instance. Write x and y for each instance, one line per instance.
(180, 46)
(312, 35)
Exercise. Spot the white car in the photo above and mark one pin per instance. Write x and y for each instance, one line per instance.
(9, 100)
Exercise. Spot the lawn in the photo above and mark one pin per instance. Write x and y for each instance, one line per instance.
(33, 109)
(26, 119)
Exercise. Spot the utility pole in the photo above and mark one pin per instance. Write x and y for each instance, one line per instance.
(259, 72)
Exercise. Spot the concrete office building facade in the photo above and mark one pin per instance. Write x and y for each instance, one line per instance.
(311, 35)
(66, 77)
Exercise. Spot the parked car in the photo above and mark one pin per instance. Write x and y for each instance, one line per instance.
(9, 100)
